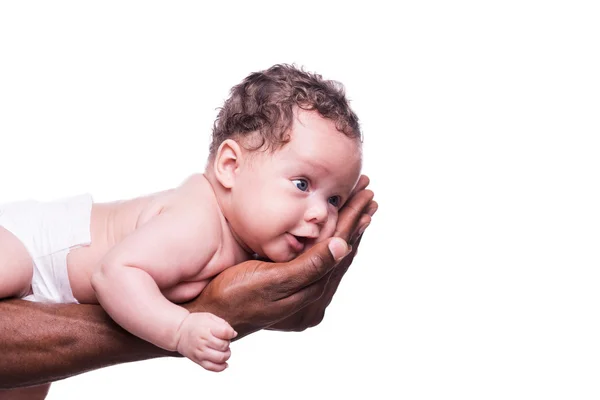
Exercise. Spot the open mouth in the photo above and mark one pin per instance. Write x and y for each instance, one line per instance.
(296, 242)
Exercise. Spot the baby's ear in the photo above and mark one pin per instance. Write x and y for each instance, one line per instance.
(227, 162)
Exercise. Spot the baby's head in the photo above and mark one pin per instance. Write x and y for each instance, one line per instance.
(285, 156)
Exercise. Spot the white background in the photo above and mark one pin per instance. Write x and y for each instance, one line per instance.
(478, 278)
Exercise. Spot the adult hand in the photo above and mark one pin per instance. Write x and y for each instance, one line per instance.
(354, 218)
(257, 294)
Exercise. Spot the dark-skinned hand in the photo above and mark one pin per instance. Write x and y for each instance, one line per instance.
(289, 296)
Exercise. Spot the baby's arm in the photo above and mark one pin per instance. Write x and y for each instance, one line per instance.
(172, 247)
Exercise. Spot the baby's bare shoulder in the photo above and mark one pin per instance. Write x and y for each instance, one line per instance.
(194, 197)
(187, 219)
(194, 205)
(193, 200)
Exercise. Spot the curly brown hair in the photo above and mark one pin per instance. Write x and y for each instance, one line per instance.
(265, 101)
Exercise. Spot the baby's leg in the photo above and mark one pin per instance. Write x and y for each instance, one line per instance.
(16, 266)
(28, 393)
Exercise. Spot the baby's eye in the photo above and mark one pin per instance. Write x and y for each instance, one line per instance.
(301, 184)
(335, 201)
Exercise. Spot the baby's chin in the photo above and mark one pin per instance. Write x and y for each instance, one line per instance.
(279, 254)
(280, 258)
(277, 257)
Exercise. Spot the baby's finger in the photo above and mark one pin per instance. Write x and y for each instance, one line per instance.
(212, 355)
(223, 330)
(211, 366)
(217, 344)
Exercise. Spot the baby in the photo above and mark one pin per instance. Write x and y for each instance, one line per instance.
(285, 156)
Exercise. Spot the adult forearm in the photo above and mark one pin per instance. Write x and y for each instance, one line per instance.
(43, 343)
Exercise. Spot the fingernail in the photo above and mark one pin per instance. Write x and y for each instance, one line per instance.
(373, 211)
(362, 229)
(339, 250)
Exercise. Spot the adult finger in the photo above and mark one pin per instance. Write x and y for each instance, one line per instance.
(361, 226)
(363, 182)
(305, 296)
(372, 208)
(355, 245)
(364, 221)
(284, 279)
(351, 212)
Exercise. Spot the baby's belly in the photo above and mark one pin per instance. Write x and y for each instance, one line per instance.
(185, 291)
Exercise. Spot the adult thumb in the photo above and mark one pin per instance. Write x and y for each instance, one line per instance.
(338, 248)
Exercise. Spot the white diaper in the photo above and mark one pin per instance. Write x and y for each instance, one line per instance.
(49, 230)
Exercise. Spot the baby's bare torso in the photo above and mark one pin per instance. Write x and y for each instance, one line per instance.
(112, 222)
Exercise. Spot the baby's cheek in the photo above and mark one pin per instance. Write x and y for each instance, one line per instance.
(327, 232)
(329, 228)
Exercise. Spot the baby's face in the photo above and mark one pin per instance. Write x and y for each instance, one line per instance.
(289, 200)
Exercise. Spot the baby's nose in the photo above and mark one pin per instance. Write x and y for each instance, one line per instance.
(317, 213)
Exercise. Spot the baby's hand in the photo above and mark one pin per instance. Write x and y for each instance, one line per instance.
(204, 338)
